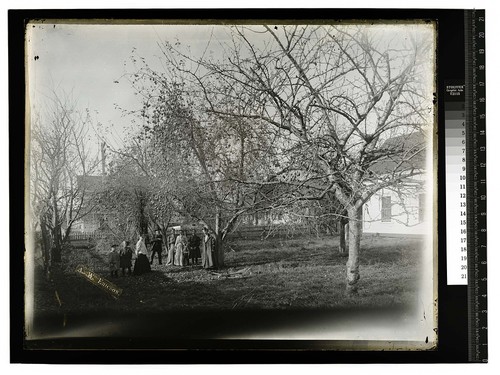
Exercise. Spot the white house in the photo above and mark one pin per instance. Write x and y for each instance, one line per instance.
(400, 210)
(390, 212)
(94, 220)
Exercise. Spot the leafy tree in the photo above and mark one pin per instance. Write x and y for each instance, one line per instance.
(130, 200)
(197, 160)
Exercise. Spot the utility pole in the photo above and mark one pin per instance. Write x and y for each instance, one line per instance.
(103, 158)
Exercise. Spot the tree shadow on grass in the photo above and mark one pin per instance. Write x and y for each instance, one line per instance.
(179, 269)
(152, 304)
(325, 251)
(320, 255)
(192, 302)
(154, 311)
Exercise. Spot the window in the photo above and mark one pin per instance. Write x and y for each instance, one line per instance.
(386, 209)
(421, 207)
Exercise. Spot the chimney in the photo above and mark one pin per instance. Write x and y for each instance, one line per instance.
(103, 158)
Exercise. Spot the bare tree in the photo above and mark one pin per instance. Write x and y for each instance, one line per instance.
(59, 154)
(331, 98)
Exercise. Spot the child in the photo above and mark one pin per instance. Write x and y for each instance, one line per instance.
(114, 261)
(126, 258)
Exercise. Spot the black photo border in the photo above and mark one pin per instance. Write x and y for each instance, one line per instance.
(452, 300)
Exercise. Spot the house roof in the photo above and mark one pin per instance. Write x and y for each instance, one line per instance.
(401, 153)
(405, 140)
(184, 226)
(91, 183)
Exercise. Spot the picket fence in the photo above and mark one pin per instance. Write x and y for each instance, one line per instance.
(86, 236)
(246, 232)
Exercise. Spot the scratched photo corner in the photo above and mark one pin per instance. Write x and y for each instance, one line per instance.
(251, 181)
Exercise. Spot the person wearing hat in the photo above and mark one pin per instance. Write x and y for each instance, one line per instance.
(157, 246)
(194, 248)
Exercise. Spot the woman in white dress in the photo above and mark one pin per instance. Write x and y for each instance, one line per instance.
(180, 249)
(171, 248)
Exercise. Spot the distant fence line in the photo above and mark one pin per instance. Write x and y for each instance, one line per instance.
(265, 231)
(85, 236)
(247, 232)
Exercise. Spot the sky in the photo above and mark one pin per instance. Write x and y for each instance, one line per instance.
(89, 61)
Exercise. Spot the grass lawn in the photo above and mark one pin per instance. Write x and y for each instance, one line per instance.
(269, 274)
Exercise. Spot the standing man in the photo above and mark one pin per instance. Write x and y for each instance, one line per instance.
(194, 248)
(157, 246)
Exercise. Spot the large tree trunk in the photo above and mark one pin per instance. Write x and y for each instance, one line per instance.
(46, 246)
(355, 231)
(219, 251)
(142, 220)
(219, 242)
(56, 250)
(343, 228)
(67, 233)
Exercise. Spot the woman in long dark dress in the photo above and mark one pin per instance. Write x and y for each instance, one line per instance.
(142, 262)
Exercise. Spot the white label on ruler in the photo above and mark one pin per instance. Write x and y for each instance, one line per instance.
(456, 211)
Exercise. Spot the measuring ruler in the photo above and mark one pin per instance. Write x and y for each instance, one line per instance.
(465, 153)
(475, 108)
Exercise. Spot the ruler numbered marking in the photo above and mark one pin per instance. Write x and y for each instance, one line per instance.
(476, 184)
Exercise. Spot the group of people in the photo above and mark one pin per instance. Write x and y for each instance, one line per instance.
(181, 251)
